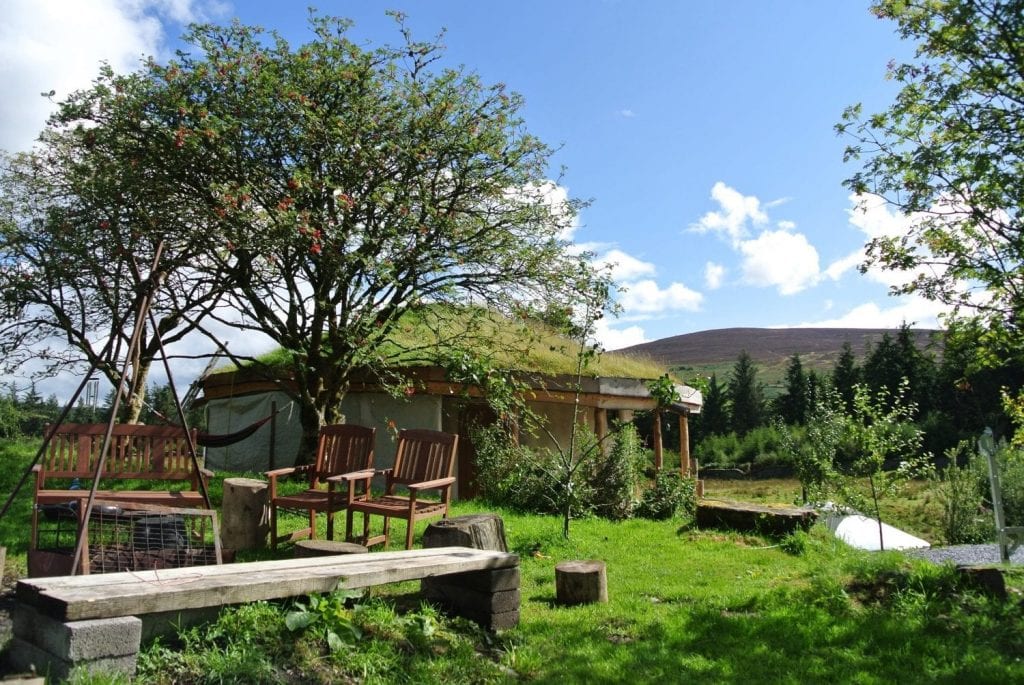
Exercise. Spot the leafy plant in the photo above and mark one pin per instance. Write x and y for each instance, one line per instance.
(883, 431)
(618, 475)
(329, 616)
(671, 496)
(959, 491)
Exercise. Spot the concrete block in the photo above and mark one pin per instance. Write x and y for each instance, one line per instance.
(489, 621)
(461, 600)
(26, 657)
(79, 640)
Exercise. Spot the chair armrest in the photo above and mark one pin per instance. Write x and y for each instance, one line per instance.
(354, 475)
(281, 471)
(428, 484)
(207, 474)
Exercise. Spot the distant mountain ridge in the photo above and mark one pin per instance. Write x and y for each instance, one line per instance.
(817, 347)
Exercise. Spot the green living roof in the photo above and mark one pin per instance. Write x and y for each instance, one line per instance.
(515, 346)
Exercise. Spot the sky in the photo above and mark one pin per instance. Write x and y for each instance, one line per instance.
(701, 133)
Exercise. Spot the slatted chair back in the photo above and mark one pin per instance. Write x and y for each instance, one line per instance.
(342, 448)
(423, 455)
(136, 451)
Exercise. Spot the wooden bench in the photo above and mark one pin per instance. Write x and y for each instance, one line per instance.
(137, 452)
(87, 609)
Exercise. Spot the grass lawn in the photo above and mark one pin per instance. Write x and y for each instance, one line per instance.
(684, 606)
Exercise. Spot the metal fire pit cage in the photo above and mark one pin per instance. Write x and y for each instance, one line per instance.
(126, 537)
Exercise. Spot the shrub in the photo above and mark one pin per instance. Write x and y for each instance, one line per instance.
(531, 480)
(671, 496)
(505, 472)
(617, 477)
(762, 446)
(959, 491)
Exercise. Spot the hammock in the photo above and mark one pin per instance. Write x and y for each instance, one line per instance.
(210, 440)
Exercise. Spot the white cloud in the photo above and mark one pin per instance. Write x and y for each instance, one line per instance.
(714, 274)
(838, 268)
(627, 113)
(780, 259)
(736, 212)
(870, 214)
(624, 267)
(615, 339)
(646, 297)
(58, 45)
(916, 311)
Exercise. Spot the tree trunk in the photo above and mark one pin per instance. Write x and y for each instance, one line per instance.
(309, 418)
(581, 582)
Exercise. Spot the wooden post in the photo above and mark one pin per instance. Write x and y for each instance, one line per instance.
(658, 455)
(272, 457)
(684, 445)
(601, 428)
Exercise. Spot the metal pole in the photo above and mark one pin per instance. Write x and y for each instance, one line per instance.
(986, 445)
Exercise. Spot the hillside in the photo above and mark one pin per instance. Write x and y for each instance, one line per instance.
(716, 351)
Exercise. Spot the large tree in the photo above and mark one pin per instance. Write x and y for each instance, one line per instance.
(351, 189)
(82, 216)
(794, 404)
(746, 395)
(949, 153)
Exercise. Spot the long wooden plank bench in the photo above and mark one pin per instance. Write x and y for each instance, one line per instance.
(484, 583)
(63, 478)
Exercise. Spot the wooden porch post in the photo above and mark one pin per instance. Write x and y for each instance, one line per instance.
(658, 456)
(601, 427)
(684, 445)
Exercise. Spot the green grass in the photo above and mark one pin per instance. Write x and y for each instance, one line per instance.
(510, 345)
(684, 606)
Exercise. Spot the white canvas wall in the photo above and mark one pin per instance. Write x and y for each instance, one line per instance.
(366, 409)
(253, 454)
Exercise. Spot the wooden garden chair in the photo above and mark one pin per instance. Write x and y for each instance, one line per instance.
(344, 455)
(425, 461)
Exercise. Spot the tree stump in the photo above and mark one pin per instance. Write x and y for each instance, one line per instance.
(581, 582)
(479, 531)
(326, 548)
(244, 518)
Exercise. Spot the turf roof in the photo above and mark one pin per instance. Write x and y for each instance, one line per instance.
(514, 346)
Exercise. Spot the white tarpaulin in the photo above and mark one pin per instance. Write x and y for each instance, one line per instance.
(862, 532)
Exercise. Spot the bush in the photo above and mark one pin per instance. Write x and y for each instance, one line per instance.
(617, 477)
(959, 491)
(762, 446)
(505, 472)
(671, 496)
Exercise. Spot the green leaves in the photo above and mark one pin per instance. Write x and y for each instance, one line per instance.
(949, 154)
(328, 616)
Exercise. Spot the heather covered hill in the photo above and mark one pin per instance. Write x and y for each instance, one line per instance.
(770, 348)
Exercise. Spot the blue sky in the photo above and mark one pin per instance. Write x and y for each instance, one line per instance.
(702, 132)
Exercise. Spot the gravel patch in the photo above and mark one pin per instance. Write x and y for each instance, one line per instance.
(966, 555)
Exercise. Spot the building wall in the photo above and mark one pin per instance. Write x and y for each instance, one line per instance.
(559, 423)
